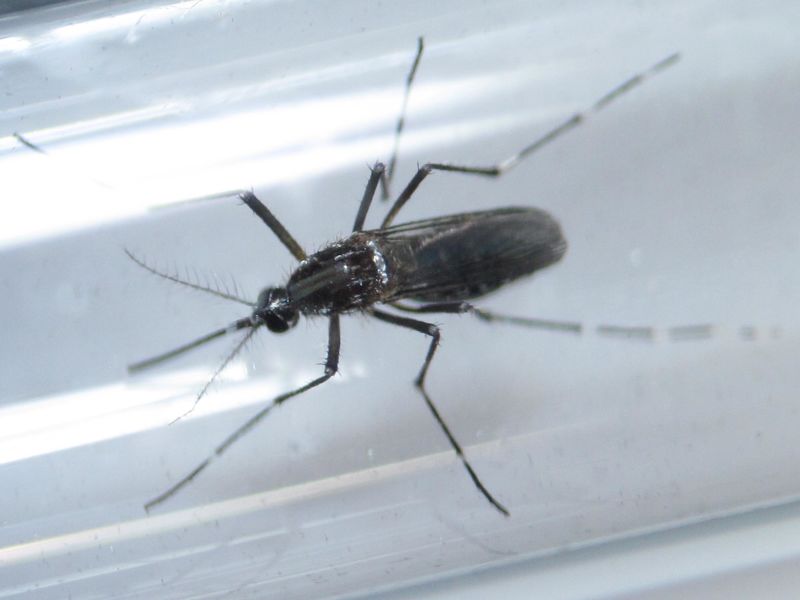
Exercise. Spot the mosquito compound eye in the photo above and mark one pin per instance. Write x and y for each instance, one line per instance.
(280, 320)
(276, 323)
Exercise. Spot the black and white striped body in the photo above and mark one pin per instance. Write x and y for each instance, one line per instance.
(451, 258)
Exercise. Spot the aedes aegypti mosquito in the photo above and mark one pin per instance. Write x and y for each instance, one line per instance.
(438, 265)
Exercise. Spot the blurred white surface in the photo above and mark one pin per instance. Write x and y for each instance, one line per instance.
(679, 203)
(753, 555)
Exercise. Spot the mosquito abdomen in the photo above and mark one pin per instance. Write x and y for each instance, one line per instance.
(468, 255)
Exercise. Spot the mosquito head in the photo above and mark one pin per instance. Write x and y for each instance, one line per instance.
(274, 310)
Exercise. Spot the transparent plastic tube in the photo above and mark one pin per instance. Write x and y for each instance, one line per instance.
(679, 204)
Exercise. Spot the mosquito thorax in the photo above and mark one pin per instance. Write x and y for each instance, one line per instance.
(274, 310)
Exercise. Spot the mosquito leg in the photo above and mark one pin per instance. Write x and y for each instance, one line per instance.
(73, 169)
(272, 222)
(247, 197)
(433, 331)
(151, 362)
(378, 173)
(645, 333)
(576, 119)
(407, 192)
(466, 307)
(27, 143)
(512, 161)
(401, 121)
(331, 366)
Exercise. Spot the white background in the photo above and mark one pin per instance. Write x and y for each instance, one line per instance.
(679, 203)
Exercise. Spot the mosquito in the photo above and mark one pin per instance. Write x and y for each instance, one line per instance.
(422, 267)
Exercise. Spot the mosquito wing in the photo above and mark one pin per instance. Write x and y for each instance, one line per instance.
(467, 255)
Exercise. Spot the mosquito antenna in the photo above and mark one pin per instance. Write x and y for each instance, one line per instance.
(151, 362)
(219, 370)
(185, 282)
(401, 121)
